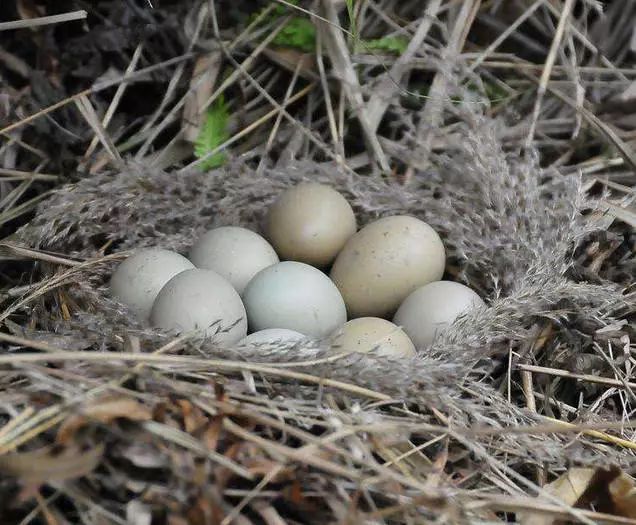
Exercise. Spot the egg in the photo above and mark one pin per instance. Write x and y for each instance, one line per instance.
(295, 296)
(137, 280)
(272, 336)
(432, 308)
(384, 262)
(310, 223)
(235, 253)
(201, 300)
(367, 334)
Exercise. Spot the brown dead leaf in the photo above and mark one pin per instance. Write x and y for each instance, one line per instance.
(206, 71)
(291, 59)
(568, 488)
(623, 492)
(610, 491)
(264, 467)
(212, 432)
(176, 520)
(219, 391)
(222, 474)
(295, 493)
(29, 9)
(44, 465)
(204, 511)
(104, 410)
(193, 418)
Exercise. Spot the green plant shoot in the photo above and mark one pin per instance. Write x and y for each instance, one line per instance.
(214, 132)
(390, 44)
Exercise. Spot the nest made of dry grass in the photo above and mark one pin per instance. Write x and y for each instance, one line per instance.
(113, 421)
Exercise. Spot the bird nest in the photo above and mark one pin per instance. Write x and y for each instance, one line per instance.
(120, 422)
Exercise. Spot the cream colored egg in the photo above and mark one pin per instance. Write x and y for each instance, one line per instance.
(384, 262)
(310, 223)
(295, 296)
(271, 336)
(201, 300)
(137, 280)
(367, 334)
(432, 308)
(235, 253)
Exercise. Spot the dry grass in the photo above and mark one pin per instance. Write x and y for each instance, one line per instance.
(506, 125)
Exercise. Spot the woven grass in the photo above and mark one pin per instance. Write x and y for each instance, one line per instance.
(106, 420)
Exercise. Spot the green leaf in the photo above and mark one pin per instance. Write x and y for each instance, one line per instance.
(298, 33)
(391, 44)
(213, 133)
(352, 18)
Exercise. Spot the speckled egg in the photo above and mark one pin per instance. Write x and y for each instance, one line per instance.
(432, 308)
(384, 262)
(310, 223)
(235, 253)
(295, 296)
(137, 280)
(201, 300)
(367, 334)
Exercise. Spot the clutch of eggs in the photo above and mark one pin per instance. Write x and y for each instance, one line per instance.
(233, 281)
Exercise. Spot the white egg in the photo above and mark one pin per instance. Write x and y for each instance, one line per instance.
(295, 296)
(273, 336)
(137, 280)
(201, 300)
(234, 253)
(372, 334)
(432, 308)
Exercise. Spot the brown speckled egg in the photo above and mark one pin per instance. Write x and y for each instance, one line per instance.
(310, 223)
(368, 334)
(384, 262)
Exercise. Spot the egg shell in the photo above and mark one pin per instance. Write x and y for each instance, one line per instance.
(384, 262)
(137, 280)
(237, 254)
(295, 296)
(310, 223)
(432, 308)
(201, 300)
(367, 334)
(272, 335)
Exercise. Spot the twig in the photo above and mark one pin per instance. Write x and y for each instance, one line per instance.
(389, 84)
(25, 175)
(607, 381)
(44, 20)
(95, 89)
(431, 114)
(92, 119)
(205, 364)
(516, 504)
(110, 112)
(547, 70)
(341, 62)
